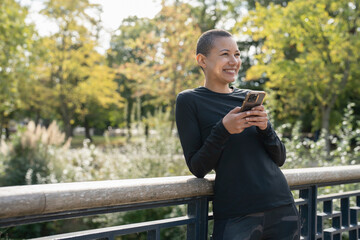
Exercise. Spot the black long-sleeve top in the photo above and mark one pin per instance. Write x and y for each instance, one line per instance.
(248, 178)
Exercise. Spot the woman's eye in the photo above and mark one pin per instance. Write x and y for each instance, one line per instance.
(237, 55)
(224, 54)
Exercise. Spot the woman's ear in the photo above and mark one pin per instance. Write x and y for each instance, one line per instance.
(200, 58)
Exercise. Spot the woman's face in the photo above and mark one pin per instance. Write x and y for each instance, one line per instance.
(223, 62)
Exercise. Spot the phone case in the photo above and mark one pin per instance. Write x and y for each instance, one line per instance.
(252, 99)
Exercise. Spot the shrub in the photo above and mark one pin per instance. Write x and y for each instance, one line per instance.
(28, 159)
(306, 152)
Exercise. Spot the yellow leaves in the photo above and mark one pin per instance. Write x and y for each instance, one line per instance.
(100, 87)
(255, 72)
(167, 55)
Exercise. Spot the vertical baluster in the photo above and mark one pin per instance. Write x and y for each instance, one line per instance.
(345, 212)
(199, 210)
(328, 206)
(355, 234)
(308, 212)
(153, 234)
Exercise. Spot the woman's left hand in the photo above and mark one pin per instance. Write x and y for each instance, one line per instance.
(257, 116)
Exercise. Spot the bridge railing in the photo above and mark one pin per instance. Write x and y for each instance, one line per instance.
(20, 205)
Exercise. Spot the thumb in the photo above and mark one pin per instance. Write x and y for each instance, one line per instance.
(235, 110)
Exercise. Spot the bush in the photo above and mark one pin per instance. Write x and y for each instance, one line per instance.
(29, 158)
(305, 152)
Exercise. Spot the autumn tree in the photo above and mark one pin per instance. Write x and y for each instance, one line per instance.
(123, 50)
(310, 55)
(76, 72)
(165, 56)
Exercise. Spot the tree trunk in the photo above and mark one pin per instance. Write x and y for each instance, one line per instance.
(7, 129)
(146, 130)
(1, 129)
(67, 125)
(68, 129)
(87, 129)
(37, 117)
(128, 118)
(173, 101)
(326, 110)
(7, 133)
(172, 126)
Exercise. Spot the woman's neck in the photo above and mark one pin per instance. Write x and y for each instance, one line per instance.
(218, 88)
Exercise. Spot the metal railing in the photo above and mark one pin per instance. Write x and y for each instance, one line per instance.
(20, 205)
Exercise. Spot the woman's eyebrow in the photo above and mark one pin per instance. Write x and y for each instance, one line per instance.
(227, 50)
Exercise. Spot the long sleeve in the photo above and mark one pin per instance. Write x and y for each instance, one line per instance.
(273, 145)
(201, 157)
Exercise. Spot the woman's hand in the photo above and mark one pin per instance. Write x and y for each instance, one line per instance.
(236, 121)
(257, 116)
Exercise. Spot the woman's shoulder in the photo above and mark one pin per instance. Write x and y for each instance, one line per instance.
(189, 93)
(192, 91)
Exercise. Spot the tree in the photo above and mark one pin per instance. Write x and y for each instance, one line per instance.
(208, 14)
(123, 51)
(97, 93)
(77, 74)
(310, 55)
(15, 45)
(169, 65)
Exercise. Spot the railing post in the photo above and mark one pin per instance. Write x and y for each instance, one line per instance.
(153, 234)
(198, 209)
(308, 212)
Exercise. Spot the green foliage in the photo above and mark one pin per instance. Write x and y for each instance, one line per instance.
(72, 72)
(303, 151)
(15, 49)
(310, 55)
(168, 40)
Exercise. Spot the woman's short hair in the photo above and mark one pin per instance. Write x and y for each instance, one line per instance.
(206, 40)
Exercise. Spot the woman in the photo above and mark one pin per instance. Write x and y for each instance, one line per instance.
(252, 199)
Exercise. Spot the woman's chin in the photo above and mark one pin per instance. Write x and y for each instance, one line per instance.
(231, 80)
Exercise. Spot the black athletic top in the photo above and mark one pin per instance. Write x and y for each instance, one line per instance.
(248, 178)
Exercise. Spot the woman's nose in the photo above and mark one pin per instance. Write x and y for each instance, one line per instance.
(234, 60)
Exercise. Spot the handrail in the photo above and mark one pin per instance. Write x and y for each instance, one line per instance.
(19, 201)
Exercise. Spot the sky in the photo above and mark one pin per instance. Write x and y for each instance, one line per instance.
(114, 11)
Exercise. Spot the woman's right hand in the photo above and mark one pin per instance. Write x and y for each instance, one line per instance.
(235, 121)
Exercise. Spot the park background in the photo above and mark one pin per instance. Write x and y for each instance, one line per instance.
(71, 110)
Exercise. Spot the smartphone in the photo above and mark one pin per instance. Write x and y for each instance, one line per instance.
(252, 99)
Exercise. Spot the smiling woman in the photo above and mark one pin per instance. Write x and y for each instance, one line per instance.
(221, 65)
(241, 147)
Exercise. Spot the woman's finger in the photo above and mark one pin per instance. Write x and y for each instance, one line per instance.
(256, 113)
(258, 108)
(256, 119)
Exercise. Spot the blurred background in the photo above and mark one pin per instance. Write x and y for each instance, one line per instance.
(88, 88)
